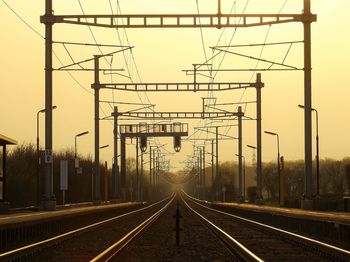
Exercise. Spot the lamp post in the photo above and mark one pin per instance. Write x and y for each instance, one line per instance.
(317, 153)
(278, 161)
(75, 146)
(258, 199)
(38, 153)
(254, 148)
(105, 177)
(243, 175)
(76, 161)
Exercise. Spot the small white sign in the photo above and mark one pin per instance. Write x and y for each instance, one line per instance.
(76, 163)
(48, 156)
(64, 175)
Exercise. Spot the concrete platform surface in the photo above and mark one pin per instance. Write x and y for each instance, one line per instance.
(31, 216)
(337, 217)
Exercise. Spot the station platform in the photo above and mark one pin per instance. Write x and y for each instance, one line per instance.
(23, 227)
(329, 227)
(336, 217)
(20, 217)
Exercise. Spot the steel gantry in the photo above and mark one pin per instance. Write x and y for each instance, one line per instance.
(141, 132)
(177, 115)
(216, 20)
(160, 87)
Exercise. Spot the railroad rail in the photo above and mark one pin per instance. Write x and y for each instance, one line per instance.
(120, 245)
(29, 251)
(266, 242)
(232, 244)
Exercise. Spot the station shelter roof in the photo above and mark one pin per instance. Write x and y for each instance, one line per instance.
(4, 140)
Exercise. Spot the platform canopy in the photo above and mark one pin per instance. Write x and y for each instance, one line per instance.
(4, 140)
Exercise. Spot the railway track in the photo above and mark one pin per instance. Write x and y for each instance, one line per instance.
(87, 242)
(118, 247)
(253, 241)
(159, 242)
(147, 235)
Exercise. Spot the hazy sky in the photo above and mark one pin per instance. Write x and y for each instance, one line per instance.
(160, 55)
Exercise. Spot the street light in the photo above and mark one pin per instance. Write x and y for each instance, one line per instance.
(278, 161)
(105, 177)
(75, 147)
(317, 152)
(250, 146)
(254, 148)
(37, 151)
(243, 175)
(76, 161)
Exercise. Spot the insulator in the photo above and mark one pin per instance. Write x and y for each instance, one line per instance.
(143, 144)
(177, 143)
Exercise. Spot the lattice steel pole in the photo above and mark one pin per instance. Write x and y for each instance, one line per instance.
(217, 177)
(141, 182)
(49, 202)
(308, 202)
(240, 169)
(259, 85)
(97, 173)
(137, 169)
(212, 163)
(115, 175)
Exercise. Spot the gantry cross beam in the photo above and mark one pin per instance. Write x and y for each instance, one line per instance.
(218, 20)
(176, 115)
(153, 130)
(159, 87)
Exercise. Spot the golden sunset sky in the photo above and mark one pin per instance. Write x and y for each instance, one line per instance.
(160, 55)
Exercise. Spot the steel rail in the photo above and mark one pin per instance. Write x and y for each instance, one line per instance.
(117, 247)
(336, 253)
(31, 249)
(235, 246)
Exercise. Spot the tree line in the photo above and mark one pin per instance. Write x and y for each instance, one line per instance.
(22, 178)
(21, 175)
(334, 182)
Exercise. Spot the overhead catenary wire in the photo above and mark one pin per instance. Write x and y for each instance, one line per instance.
(260, 55)
(233, 8)
(210, 93)
(131, 57)
(54, 53)
(92, 33)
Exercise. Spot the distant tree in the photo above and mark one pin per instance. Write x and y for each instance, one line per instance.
(347, 175)
(332, 173)
(228, 173)
(270, 180)
(21, 175)
(294, 176)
